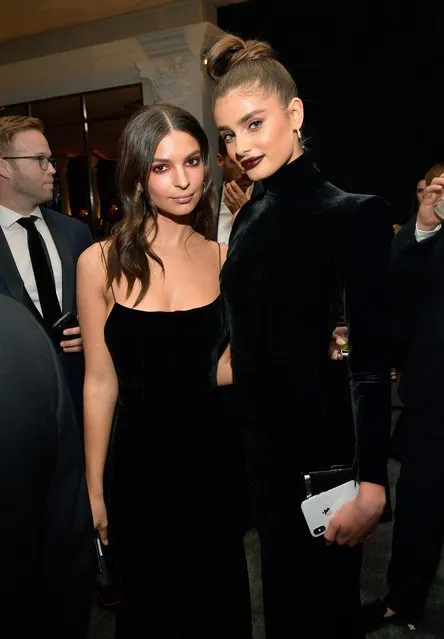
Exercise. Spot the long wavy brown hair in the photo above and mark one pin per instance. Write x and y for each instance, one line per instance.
(129, 249)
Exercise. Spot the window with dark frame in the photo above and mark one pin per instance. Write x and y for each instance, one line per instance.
(83, 131)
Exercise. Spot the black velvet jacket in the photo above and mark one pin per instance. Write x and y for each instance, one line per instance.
(291, 251)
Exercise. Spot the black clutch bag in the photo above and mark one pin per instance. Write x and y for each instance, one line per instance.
(319, 481)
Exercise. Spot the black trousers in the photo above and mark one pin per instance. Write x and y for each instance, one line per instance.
(418, 532)
(310, 589)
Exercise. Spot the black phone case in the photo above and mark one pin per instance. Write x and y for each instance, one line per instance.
(107, 584)
(70, 321)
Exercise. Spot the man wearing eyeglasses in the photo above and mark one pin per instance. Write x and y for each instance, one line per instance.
(39, 247)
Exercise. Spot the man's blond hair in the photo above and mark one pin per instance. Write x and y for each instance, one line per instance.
(433, 172)
(10, 125)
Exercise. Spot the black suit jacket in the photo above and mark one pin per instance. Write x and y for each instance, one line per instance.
(46, 532)
(290, 252)
(71, 238)
(417, 293)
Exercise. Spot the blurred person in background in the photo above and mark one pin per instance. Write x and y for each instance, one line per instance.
(39, 247)
(418, 440)
(237, 190)
(46, 530)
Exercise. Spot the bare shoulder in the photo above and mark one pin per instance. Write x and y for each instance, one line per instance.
(93, 258)
(211, 248)
(216, 246)
(223, 252)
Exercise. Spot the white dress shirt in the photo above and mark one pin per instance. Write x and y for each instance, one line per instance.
(17, 238)
(225, 221)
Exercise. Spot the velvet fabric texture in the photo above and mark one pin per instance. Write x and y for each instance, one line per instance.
(292, 251)
(176, 477)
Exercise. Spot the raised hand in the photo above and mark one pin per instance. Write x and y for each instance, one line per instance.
(427, 220)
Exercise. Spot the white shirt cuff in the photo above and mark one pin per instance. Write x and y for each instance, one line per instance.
(425, 235)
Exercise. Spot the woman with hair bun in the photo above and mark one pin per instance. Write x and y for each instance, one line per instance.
(291, 250)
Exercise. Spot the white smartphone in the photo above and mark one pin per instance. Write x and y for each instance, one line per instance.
(319, 508)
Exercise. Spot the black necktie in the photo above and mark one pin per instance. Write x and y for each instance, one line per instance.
(42, 272)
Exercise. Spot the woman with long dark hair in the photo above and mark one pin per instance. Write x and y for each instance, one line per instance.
(290, 252)
(153, 325)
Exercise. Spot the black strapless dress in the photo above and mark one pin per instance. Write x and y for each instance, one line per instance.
(175, 480)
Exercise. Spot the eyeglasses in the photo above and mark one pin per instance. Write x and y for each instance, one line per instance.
(43, 160)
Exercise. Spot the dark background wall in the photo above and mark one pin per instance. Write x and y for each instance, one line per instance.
(371, 76)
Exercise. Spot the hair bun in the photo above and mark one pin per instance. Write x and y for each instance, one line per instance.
(231, 50)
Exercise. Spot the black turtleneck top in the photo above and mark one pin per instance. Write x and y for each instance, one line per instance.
(297, 253)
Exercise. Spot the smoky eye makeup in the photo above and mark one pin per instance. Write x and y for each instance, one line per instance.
(227, 136)
(158, 168)
(195, 160)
